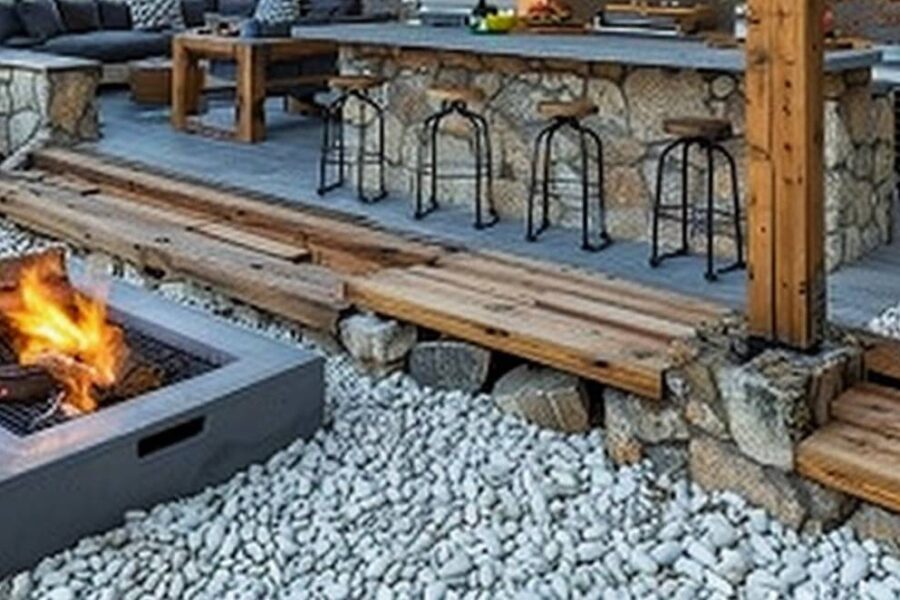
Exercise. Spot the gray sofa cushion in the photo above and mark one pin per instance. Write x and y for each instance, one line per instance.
(111, 46)
(10, 25)
(114, 14)
(79, 15)
(40, 18)
(194, 12)
(236, 8)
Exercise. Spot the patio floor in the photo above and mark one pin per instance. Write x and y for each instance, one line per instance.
(284, 166)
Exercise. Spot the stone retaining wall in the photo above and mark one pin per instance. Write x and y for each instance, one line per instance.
(46, 97)
(633, 103)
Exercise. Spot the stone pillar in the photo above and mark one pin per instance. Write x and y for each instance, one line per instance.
(46, 97)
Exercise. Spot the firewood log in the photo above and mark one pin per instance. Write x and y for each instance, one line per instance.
(26, 385)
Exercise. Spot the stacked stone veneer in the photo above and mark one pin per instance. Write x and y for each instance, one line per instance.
(739, 421)
(46, 97)
(632, 104)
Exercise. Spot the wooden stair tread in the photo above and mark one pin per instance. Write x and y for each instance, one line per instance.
(869, 406)
(596, 287)
(514, 321)
(883, 363)
(347, 245)
(150, 237)
(855, 460)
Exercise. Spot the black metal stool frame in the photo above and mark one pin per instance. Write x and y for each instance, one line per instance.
(545, 138)
(483, 175)
(710, 148)
(333, 143)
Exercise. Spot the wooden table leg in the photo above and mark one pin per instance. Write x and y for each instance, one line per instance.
(187, 81)
(251, 93)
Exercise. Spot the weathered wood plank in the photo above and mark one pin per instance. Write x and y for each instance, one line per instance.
(857, 461)
(347, 245)
(307, 293)
(591, 286)
(883, 363)
(599, 353)
(871, 407)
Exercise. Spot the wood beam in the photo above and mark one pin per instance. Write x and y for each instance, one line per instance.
(786, 213)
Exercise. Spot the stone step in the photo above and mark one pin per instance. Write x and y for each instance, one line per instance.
(858, 452)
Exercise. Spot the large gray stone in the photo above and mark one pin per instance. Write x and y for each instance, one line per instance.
(766, 403)
(630, 419)
(545, 397)
(371, 339)
(450, 365)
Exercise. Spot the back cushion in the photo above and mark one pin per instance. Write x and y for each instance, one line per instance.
(194, 12)
(10, 24)
(41, 18)
(114, 14)
(79, 15)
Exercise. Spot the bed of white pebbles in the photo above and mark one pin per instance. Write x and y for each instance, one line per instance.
(411, 493)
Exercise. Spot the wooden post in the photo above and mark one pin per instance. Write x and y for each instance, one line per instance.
(187, 82)
(786, 213)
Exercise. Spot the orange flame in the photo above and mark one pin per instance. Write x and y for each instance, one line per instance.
(69, 337)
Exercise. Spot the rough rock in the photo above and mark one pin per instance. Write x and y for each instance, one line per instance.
(766, 402)
(545, 397)
(878, 523)
(631, 420)
(450, 364)
(373, 340)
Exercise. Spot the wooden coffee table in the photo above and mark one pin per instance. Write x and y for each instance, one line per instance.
(253, 57)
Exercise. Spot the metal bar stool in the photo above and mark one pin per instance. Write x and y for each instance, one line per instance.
(456, 101)
(707, 134)
(563, 115)
(333, 151)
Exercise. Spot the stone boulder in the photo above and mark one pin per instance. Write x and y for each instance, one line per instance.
(766, 403)
(376, 341)
(450, 365)
(545, 397)
(875, 522)
(633, 422)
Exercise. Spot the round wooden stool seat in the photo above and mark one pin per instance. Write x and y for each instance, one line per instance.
(456, 94)
(698, 127)
(573, 109)
(355, 82)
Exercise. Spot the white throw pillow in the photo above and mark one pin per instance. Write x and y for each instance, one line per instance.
(272, 12)
(156, 14)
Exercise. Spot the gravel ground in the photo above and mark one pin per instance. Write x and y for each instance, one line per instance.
(887, 323)
(411, 493)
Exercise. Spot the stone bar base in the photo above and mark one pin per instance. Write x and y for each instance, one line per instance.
(633, 102)
(46, 97)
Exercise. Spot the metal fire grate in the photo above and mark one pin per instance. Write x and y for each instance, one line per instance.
(174, 365)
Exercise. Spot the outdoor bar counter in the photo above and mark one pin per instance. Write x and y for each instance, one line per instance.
(636, 82)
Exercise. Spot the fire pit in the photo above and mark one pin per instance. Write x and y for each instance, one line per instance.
(111, 405)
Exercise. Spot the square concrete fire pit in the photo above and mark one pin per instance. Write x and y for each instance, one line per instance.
(77, 477)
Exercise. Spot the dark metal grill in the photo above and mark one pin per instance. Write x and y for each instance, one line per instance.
(174, 365)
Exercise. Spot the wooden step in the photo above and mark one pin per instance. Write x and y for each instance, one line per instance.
(346, 244)
(167, 244)
(883, 364)
(858, 452)
(591, 326)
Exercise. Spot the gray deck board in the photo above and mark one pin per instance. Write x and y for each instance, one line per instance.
(284, 166)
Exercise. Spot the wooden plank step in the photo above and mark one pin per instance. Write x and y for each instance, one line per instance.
(307, 293)
(343, 243)
(597, 287)
(869, 406)
(858, 461)
(517, 325)
(883, 364)
(545, 295)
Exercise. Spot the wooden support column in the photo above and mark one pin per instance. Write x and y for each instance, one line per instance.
(786, 213)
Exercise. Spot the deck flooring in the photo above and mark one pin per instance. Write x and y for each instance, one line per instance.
(284, 166)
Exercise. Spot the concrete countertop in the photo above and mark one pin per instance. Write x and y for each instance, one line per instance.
(629, 50)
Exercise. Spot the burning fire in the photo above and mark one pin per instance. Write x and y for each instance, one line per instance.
(66, 333)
